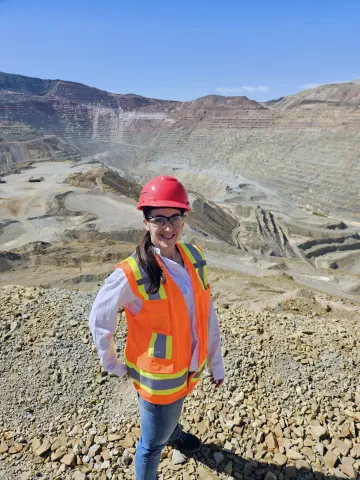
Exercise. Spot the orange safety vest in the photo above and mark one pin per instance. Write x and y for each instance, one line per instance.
(158, 345)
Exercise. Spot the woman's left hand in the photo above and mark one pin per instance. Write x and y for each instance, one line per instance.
(216, 383)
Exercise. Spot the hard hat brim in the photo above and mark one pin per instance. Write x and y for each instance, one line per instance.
(164, 204)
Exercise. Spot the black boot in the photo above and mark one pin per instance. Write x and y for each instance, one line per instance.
(187, 443)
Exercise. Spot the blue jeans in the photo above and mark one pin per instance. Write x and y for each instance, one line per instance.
(159, 424)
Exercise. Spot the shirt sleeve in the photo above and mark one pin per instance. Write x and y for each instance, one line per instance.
(115, 292)
(214, 358)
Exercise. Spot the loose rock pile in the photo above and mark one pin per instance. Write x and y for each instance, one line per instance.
(290, 406)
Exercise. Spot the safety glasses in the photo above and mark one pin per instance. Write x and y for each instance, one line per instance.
(160, 220)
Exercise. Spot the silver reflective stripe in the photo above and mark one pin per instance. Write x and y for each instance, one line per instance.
(199, 262)
(160, 346)
(156, 384)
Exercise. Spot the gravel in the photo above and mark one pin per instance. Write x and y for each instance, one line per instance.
(290, 405)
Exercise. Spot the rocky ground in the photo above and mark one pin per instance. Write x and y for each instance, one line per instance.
(290, 406)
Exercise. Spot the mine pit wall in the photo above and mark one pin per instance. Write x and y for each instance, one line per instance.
(346, 246)
(13, 153)
(291, 153)
(64, 118)
(261, 232)
(272, 231)
(322, 230)
(324, 241)
(309, 156)
(333, 248)
(298, 160)
(210, 218)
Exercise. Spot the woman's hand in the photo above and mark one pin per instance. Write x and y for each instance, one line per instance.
(216, 383)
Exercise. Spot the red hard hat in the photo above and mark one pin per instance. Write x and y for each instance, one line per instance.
(164, 191)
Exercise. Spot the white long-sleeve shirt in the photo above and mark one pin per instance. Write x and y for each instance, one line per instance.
(116, 291)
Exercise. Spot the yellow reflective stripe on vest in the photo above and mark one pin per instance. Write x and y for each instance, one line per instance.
(194, 262)
(157, 383)
(151, 345)
(137, 274)
(162, 292)
(168, 347)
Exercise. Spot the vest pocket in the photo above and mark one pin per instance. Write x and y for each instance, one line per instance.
(154, 365)
(158, 315)
(160, 346)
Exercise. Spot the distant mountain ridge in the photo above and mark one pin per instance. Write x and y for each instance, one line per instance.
(13, 83)
(71, 91)
(81, 93)
(347, 92)
(343, 93)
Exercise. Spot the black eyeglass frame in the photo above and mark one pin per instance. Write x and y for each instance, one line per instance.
(168, 219)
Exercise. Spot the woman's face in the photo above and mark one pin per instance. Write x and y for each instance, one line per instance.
(166, 236)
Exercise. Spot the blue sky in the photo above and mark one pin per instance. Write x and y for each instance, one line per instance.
(182, 50)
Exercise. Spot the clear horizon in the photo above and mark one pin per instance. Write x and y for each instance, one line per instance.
(184, 51)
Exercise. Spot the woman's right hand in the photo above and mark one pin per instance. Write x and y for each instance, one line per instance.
(216, 383)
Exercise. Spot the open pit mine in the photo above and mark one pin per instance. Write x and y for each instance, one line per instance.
(275, 194)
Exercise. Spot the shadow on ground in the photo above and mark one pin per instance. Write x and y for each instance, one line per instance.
(239, 468)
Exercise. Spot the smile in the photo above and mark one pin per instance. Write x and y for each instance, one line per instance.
(169, 237)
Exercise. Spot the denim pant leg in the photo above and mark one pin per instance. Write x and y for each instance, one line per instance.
(159, 423)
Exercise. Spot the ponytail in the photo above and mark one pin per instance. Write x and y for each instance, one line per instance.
(146, 258)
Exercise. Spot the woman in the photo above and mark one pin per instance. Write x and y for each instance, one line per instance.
(172, 324)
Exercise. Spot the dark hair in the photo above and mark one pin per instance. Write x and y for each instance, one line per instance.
(146, 258)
